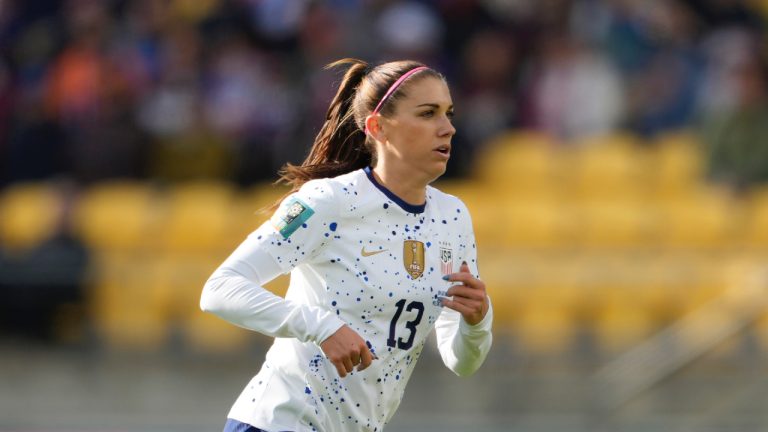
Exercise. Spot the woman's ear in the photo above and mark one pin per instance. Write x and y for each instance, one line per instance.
(373, 127)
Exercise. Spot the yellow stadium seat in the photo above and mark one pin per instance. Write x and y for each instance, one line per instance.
(677, 164)
(614, 223)
(118, 216)
(523, 162)
(128, 310)
(702, 219)
(534, 223)
(29, 214)
(198, 217)
(754, 232)
(609, 166)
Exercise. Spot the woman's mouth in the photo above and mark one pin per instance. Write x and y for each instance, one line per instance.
(444, 150)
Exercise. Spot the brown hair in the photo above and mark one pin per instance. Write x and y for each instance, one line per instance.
(341, 146)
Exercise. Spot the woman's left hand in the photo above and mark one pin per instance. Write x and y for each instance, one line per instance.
(469, 298)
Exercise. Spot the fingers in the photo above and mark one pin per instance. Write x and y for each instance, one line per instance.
(340, 368)
(366, 358)
(464, 267)
(466, 292)
(465, 277)
(468, 298)
(465, 304)
(354, 357)
(347, 350)
(472, 310)
(357, 356)
(463, 307)
(348, 366)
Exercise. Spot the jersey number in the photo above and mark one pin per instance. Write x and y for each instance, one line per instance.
(410, 325)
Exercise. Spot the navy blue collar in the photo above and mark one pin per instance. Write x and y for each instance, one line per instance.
(410, 208)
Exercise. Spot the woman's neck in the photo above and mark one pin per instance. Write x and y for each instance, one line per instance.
(407, 187)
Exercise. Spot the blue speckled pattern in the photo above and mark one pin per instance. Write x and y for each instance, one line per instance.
(377, 264)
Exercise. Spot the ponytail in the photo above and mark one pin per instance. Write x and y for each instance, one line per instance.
(340, 146)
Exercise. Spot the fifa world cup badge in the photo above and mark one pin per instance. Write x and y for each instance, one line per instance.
(413, 257)
(291, 216)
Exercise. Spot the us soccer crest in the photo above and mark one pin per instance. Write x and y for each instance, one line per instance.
(413, 258)
(446, 258)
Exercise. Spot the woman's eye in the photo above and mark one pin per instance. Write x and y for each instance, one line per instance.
(449, 114)
(429, 113)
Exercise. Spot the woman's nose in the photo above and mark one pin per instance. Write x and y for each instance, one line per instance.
(447, 128)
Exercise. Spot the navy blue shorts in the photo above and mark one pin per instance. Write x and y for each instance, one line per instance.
(236, 426)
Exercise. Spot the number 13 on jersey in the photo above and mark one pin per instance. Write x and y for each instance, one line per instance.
(416, 306)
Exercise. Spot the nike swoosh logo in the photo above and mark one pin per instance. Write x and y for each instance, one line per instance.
(365, 253)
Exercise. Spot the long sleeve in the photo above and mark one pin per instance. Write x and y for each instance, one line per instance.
(463, 347)
(235, 290)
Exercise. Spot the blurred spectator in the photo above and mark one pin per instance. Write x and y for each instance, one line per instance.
(735, 132)
(185, 147)
(248, 104)
(35, 145)
(411, 30)
(43, 287)
(32, 142)
(96, 89)
(6, 105)
(662, 95)
(575, 91)
(485, 97)
(278, 20)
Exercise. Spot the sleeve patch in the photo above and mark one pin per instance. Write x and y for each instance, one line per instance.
(291, 216)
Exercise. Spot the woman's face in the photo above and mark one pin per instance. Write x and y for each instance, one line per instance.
(417, 136)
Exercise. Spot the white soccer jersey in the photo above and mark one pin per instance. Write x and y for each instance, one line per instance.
(358, 255)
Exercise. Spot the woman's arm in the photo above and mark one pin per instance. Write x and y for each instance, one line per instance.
(293, 236)
(464, 329)
(235, 293)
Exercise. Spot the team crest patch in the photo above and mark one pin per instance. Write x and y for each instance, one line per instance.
(291, 216)
(446, 258)
(413, 258)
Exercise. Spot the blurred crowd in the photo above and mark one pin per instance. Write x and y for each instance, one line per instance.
(173, 90)
(232, 89)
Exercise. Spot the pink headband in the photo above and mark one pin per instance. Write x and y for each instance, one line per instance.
(392, 90)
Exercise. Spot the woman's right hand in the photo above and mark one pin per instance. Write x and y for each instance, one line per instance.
(346, 349)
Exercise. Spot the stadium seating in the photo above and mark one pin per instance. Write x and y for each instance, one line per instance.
(611, 238)
(118, 216)
(130, 309)
(197, 217)
(523, 163)
(755, 232)
(608, 167)
(29, 213)
(677, 163)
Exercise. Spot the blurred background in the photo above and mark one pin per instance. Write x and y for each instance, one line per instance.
(613, 153)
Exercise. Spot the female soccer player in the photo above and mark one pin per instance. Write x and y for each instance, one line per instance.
(377, 259)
